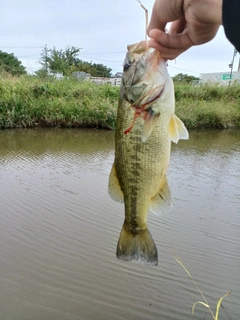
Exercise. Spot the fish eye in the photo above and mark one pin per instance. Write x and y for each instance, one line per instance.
(126, 66)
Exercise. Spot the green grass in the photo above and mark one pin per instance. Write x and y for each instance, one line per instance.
(28, 101)
(208, 106)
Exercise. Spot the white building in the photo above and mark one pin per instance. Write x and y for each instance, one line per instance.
(114, 81)
(223, 78)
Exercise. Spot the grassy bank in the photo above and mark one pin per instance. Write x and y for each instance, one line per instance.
(208, 106)
(28, 101)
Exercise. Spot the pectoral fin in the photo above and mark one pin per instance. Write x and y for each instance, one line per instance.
(162, 201)
(114, 188)
(177, 129)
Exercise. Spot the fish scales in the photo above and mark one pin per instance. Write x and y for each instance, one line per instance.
(140, 166)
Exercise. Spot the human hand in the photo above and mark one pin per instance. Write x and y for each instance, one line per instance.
(194, 22)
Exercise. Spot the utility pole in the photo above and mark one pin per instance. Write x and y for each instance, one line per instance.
(231, 64)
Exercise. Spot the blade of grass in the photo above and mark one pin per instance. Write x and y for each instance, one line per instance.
(219, 304)
(205, 303)
(200, 302)
(196, 285)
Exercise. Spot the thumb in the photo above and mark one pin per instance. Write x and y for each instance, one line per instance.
(174, 41)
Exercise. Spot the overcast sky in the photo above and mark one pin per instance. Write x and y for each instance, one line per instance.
(101, 28)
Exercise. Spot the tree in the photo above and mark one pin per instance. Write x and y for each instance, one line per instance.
(11, 64)
(43, 72)
(61, 61)
(96, 70)
(184, 78)
(66, 61)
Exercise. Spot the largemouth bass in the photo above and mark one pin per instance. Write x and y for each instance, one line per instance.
(146, 125)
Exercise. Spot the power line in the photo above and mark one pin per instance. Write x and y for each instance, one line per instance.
(104, 52)
(24, 47)
(106, 60)
(197, 72)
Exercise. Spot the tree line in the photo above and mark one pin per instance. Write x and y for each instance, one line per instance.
(53, 61)
(10, 64)
(66, 61)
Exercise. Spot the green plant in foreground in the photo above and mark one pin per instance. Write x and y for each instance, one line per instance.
(205, 303)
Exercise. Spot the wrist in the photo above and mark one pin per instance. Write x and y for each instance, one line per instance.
(218, 13)
(205, 11)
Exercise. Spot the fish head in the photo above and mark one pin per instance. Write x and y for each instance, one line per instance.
(145, 75)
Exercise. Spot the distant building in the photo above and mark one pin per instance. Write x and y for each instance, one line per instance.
(56, 75)
(114, 81)
(119, 75)
(80, 75)
(222, 78)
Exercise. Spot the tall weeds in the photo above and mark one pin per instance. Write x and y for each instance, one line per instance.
(208, 106)
(30, 101)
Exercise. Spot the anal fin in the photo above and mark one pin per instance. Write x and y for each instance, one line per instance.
(114, 188)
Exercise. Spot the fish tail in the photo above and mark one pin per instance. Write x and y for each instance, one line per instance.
(137, 245)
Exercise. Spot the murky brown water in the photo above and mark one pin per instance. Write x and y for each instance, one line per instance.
(59, 230)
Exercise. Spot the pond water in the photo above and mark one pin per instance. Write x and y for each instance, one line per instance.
(59, 230)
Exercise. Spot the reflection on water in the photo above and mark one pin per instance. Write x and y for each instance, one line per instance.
(59, 230)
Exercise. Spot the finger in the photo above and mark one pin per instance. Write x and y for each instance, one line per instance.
(177, 26)
(155, 22)
(174, 41)
(166, 53)
(164, 12)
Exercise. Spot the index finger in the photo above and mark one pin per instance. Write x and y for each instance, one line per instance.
(165, 11)
(156, 22)
(169, 45)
